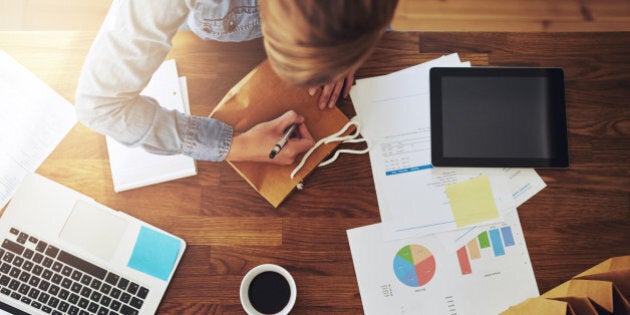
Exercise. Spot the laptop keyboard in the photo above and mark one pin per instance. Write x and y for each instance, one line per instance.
(57, 282)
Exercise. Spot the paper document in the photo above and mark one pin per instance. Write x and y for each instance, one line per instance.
(135, 167)
(422, 275)
(394, 110)
(33, 120)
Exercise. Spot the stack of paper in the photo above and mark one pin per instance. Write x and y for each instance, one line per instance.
(33, 120)
(447, 234)
(135, 167)
(413, 196)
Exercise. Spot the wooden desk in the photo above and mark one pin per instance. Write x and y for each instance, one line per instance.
(580, 219)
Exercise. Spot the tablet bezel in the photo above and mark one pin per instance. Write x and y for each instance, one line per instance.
(555, 77)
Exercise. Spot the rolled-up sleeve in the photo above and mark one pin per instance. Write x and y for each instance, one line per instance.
(132, 43)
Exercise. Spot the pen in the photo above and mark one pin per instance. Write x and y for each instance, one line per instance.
(285, 137)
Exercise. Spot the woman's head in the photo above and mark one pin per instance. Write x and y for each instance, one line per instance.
(314, 42)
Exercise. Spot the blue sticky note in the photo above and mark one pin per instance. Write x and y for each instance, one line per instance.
(155, 253)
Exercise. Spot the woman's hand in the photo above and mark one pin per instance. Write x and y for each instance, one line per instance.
(331, 91)
(256, 143)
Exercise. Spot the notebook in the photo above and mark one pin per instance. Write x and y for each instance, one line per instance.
(64, 253)
(133, 167)
(262, 96)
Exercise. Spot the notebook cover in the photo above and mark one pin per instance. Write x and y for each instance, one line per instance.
(262, 96)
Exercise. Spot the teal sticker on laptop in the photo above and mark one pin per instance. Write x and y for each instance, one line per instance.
(155, 253)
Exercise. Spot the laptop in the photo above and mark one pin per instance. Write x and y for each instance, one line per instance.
(63, 253)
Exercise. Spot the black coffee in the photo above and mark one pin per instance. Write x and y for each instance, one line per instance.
(269, 292)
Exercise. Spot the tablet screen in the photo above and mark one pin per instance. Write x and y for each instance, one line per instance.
(498, 117)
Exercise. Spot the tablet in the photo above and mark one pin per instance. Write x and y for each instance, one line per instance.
(498, 117)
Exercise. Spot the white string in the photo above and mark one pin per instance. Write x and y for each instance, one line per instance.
(336, 137)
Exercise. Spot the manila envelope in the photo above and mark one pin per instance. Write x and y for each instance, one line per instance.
(262, 96)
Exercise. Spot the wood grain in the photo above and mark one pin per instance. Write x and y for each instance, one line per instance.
(512, 15)
(579, 220)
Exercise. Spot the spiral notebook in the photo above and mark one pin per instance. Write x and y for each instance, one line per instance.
(262, 96)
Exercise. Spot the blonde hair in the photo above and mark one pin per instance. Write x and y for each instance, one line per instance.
(314, 42)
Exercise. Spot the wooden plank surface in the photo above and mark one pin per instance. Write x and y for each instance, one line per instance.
(512, 15)
(579, 220)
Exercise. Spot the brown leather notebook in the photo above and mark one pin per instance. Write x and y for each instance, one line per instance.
(262, 96)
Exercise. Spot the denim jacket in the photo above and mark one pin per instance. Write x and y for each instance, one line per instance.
(235, 20)
(132, 43)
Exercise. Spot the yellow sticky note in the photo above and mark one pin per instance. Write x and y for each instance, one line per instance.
(472, 201)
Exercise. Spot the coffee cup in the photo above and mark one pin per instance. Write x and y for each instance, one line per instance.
(268, 289)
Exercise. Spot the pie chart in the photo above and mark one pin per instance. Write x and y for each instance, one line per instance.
(414, 265)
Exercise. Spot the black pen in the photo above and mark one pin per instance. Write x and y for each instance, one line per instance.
(285, 137)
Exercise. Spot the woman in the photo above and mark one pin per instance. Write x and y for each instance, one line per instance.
(310, 43)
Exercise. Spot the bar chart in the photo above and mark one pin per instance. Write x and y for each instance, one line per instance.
(490, 243)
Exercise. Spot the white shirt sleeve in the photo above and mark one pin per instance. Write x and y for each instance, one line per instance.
(132, 43)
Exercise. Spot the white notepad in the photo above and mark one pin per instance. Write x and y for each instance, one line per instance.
(135, 167)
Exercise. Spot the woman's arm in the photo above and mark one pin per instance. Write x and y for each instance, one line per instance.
(132, 43)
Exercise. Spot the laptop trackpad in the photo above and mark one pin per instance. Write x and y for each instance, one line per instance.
(93, 229)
